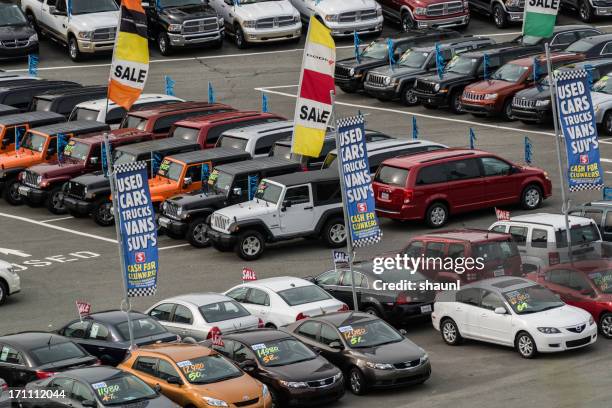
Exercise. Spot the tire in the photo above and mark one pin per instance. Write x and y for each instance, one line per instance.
(525, 345)
(334, 233)
(250, 246)
(371, 310)
(73, 49)
(11, 194)
(507, 111)
(163, 44)
(450, 332)
(585, 11)
(3, 292)
(356, 380)
(455, 102)
(531, 198)
(407, 96)
(605, 325)
(500, 18)
(196, 235)
(102, 214)
(436, 215)
(55, 201)
(607, 123)
(241, 42)
(407, 22)
(271, 326)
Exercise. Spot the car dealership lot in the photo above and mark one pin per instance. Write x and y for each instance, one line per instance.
(69, 259)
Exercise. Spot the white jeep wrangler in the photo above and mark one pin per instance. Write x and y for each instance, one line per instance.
(298, 205)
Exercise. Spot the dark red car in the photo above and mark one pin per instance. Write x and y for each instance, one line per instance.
(584, 284)
(434, 185)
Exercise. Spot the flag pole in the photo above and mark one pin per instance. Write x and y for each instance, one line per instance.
(112, 177)
(553, 99)
(349, 238)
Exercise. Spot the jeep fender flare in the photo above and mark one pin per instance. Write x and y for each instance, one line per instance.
(13, 173)
(326, 216)
(501, 3)
(405, 9)
(201, 212)
(403, 83)
(256, 225)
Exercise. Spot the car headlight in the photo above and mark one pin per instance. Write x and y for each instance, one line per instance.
(85, 35)
(420, 11)
(221, 22)
(213, 402)
(38, 179)
(292, 384)
(436, 87)
(180, 212)
(338, 376)
(491, 96)
(175, 28)
(543, 102)
(11, 270)
(387, 80)
(378, 11)
(379, 366)
(331, 17)
(296, 18)
(33, 38)
(249, 24)
(352, 72)
(163, 206)
(591, 321)
(548, 330)
(424, 358)
(264, 390)
(513, 3)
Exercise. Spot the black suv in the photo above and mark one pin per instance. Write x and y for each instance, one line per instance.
(433, 92)
(601, 213)
(350, 73)
(387, 83)
(597, 46)
(64, 101)
(562, 36)
(228, 184)
(20, 94)
(532, 105)
(18, 37)
(181, 23)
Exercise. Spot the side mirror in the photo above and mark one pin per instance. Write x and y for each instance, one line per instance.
(157, 388)
(145, 4)
(403, 332)
(89, 403)
(248, 366)
(55, 12)
(237, 191)
(94, 161)
(336, 345)
(316, 349)
(286, 204)
(587, 292)
(500, 310)
(174, 380)
(188, 181)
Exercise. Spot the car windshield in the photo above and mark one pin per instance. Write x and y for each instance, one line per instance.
(604, 85)
(11, 15)
(170, 169)
(510, 73)
(134, 122)
(268, 192)
(121, 389)
(371, 333)
(254, 1)
(329, 160)
(495, 250)
(579, 46)
(144, 327)
(232, 142)
(54, 352)
(179, 3)
(602, 279)
(220, 182)
(393, 176)
(208, 369)
(532, 299)
(376, 50)
(303, 294)
(93, 6)
(84, 114)
(185, 133)
(121, 157)
(77, 150)
(33, 142)
(281, 151)
(282, 352)
(413, 59)
(580, 235)
(221, 311)
(462, 64)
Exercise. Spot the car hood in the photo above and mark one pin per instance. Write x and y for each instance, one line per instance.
(364, 63)
(398, 71)
(16, 31)
(238, 389)
(265, 9)
(90, 22)
(159, 402)
(600, 97)
(21, 158)
(196, 200)
(249, 322)
(535, 93)
(163, 186)
(189, 12)
(490, 86)
(93, 180)
(392, 353)
(448, 78)
(312, 370)
(559, 317)
(342, 6)
(56, 170)
(249, 209)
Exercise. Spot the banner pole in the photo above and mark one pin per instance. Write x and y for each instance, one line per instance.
(113, 180)
(349, 238)
(553, 99)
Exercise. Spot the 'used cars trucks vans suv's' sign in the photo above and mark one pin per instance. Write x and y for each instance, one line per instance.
(539, 18)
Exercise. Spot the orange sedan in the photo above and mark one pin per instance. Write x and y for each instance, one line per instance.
(196, 376)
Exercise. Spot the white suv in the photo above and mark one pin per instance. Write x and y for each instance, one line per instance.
(10, 283)
(542, 238)
(257, 140)
(257, 21)
(343, 17)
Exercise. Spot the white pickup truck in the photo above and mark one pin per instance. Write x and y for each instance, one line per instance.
(86, 27)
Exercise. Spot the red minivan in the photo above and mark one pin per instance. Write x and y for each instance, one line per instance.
(433, 185)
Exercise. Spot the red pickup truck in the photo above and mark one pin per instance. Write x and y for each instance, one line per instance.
(421, 14)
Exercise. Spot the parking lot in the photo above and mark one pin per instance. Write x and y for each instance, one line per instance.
(63, 259)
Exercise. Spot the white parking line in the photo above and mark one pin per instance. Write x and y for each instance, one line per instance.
(173, 246)
(57, 219)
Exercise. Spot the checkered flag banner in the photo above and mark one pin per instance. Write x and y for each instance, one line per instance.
(137, 228)
(358, 194)
(577, 122)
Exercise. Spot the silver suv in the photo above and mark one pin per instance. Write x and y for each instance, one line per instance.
(257, 140)
(10, 283)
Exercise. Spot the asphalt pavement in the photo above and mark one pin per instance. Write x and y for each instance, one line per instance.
(63, 259)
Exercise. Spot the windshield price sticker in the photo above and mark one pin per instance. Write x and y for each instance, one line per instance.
(602, 281)
(267, 354)
(262, 187)
(355, 335)
(99, 385)
(69, 147)
(163, 168)
(518, 299)
(213, 177)
(192, 371)
(108, 393)
(185, 363)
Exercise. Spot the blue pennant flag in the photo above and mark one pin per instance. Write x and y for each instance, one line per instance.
(439, 61)
(205, 173)
(253, 183)
(158, 5)
(33, 64)
(357, 42)
(264, 103)
(528, 150)
(589, 70)
(62, 142)
(485, 66)
(18, 134)
(69, 6)
(236, 2)
(415, 128)
(211, 93)
(536, 69)
(391, 50)
(105, 161)
(169, 85)
(472, 139)
(156, 159)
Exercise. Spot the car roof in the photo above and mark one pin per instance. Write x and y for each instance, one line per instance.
(306, 177)
(92, 374)
(35, 85)
(569, 27)
(501, 284)
(330, 136)
(491, 49)
(465, 235)
(56, 93)
(8, 109)
(421, 34)
(257, 164)
(202, 121)
(199, 156)
(433, 156)
(74, 126)
(556, 56)
(101, 103)
(199, 299)
(385, 144)
(177, 351)
(28, 117)
(176, 107)
(583, 64)
(584, 266)
(280, 283)
(262, 129)
(114, 316)
(152, 145)
(557, 221)
(339, 319)
(116, 134)
(597, 39)
(31, 339)
(447, 43)
(251, 337)
(598, 204)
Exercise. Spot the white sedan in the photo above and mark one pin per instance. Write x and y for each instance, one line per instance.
(284, 300)
(513, 312)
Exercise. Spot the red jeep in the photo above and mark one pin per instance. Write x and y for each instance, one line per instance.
(421, 14)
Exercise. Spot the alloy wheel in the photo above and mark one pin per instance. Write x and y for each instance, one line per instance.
(438, 216)
(355, 382)
(449, 331)
(73, 49)
(106, 215)
(525, 345)
(251, 246)
(606, 326)
(199, 234)
(337, 233)
(532, 197)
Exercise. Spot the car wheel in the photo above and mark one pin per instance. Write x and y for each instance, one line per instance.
(450, 332)
(531, 197)
(55, 201)
(437, 215)
(271, 326)
(103, 215)
(250, 245)
(3, 292)
(371, 310)
(585, 11)
(507, 111)
(334, 233)
(163, 43)
(357, 382)
(605, 325)
(407, 22)
(455, 102)
(196, 235)
(408, 97)
(73, 49)
(241, 42)
(499, 16)
(11, 193)
(607, 122)
(525, 345)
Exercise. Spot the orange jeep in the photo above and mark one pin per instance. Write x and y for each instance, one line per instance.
(10, 125)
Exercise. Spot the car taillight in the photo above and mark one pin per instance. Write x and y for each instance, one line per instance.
(553, 258)
(344, 308)
(98, 362)
(402, 299)
(408, 195)
(41, 375)
(260, 324)
(212, 332)
(300, 316)
(304, 167)
(4, 386)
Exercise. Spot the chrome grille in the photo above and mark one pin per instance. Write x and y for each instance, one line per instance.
(321, 383)
(577, 329)
(16, 43)
(272, 22)
(171, 210)
(443, 9)
(407, 364)
(200, 26)
(473, 96)
(30, 178)
(359, 15)
(76, 190)
(376, 80)
(342, 72)
(105, 34)
(285, 21)
(425, 87)
(220, 221)
(523, 103)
